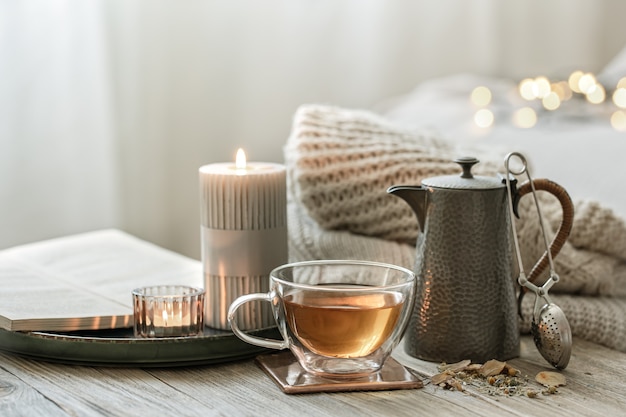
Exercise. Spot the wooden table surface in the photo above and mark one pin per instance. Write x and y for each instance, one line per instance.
(596, 386)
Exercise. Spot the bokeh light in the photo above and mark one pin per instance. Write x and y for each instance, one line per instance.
(542, 87)
(553, 95)
(483, 118)
(573, 80)
(525, 118)
(551, 101)
(562, 90)
(481, 96)
(619, 97)
(527, 89)
(531, 89)
(618, 121)
(596, 95)
(587, 83)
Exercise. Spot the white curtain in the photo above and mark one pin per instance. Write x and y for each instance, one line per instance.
(58, 160)
(110, 106)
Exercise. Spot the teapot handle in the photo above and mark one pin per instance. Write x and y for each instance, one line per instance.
(566, 223)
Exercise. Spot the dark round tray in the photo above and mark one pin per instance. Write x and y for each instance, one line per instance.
(119, 347)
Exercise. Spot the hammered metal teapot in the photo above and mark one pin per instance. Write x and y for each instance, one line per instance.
(466, 295)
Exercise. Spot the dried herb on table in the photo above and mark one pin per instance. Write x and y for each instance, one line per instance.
(495, 378)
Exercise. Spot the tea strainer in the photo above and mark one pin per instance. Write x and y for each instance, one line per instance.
(550, 329)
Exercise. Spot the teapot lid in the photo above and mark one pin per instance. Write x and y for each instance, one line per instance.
(465, 181)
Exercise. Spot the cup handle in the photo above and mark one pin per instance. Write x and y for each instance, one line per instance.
(564, 228)
(253, 340)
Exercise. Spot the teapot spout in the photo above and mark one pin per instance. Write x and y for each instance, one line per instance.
(415, 196)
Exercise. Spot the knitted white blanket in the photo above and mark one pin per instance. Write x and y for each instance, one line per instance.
(340, 163)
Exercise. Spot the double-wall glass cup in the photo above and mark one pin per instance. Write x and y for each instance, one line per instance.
(340, 318)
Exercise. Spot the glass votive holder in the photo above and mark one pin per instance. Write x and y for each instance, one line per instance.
(168, 311)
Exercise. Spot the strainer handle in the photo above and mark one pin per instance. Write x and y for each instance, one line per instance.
(565, 227)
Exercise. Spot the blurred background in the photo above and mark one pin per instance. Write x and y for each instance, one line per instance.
(109, 107)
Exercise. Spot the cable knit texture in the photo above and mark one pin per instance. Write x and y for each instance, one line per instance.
(341, 162)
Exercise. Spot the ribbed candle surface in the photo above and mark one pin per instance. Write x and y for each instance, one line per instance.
(251, 198)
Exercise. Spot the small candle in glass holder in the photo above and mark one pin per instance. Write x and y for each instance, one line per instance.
(168, 311)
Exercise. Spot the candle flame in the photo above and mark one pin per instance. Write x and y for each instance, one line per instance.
(240, 159)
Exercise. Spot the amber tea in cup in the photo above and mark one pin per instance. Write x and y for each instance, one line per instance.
(339, 318)
(343, 325)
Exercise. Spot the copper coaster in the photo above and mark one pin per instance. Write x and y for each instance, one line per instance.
(287, 373)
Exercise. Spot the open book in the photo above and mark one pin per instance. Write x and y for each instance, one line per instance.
(84, 282)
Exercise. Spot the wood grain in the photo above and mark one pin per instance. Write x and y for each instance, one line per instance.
(595, 387)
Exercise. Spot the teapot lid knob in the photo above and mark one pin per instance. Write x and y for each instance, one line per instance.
(467, 162)
(465, 181)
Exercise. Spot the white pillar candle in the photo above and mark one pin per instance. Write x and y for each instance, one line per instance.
(244, 236)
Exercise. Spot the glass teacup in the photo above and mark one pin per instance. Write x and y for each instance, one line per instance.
(338, 317)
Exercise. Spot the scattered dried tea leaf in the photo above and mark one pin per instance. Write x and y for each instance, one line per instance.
(531, 393)
(550, 379)
(456, 384)
(510, 371)
(441, 378)
(456, 367)
(473, 367)
(493, 378)
(491, 368)
(550, 390)
(447, 380)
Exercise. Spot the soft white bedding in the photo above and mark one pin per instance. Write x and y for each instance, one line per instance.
(574, 145)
